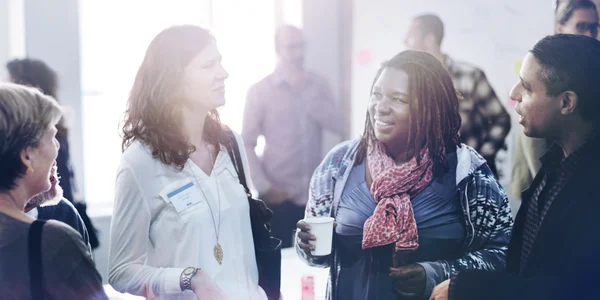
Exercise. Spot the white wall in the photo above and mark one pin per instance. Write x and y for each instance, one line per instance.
(12, 32)
(52, 35)
(321, 21)
(493, 35)
(4, 35)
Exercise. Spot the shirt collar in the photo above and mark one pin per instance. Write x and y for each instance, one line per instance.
(555, 157)
(33, 213)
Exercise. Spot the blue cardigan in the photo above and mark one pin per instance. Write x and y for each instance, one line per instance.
(484, 203)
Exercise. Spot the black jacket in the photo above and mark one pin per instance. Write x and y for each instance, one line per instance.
(65, 212)
(565, 260)
(67, 182)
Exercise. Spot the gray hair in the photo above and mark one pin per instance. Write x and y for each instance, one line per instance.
(25, 115)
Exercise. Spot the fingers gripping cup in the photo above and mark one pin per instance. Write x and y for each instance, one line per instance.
(322, 229)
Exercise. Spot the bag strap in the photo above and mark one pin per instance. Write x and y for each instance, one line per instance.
(262, 213)
(36, 270)
(234, 152)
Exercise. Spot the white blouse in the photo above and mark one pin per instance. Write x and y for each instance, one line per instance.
(162, 224)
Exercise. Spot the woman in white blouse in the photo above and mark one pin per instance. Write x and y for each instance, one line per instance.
(181, 225)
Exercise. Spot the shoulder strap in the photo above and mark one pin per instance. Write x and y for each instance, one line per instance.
(234, 153)
(259, 212)
(36, 269)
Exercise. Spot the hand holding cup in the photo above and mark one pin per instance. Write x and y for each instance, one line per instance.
(315, 235)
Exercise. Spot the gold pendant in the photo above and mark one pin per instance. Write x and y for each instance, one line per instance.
(218, 251)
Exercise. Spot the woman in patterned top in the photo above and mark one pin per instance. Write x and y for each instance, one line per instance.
(411, 203)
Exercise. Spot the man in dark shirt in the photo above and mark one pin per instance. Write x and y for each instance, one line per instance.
(553, 253)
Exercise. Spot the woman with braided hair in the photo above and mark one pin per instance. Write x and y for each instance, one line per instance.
(411, 203)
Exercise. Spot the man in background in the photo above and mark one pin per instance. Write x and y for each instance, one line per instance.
(290, 108)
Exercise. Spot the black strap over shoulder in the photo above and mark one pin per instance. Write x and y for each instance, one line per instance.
(36, 270)
(266, 248)
(261, 215)
(234, 153)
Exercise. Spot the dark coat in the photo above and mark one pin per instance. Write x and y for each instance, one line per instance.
(565, 260)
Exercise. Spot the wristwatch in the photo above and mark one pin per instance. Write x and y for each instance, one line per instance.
(185, 280)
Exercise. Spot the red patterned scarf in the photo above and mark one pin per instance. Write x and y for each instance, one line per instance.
(393, 186)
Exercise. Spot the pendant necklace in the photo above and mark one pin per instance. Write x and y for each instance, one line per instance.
(217, 249)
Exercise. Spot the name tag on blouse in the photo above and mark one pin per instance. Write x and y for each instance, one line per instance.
(182, 196)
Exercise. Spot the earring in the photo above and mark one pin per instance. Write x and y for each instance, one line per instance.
(30, 171)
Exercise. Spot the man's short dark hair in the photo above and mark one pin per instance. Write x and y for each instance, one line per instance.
(571, 63)
(430, 23)
(565, 8)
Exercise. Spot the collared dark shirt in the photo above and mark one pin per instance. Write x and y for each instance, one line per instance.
(557, 171)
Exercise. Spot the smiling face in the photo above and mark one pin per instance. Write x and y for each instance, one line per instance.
(41, 163)
(540, 113)
(53, 195)
(389, 108)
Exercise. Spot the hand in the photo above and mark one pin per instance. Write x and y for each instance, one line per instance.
(305, 237)
(410, 280)
(440, 292)
(275, 196)
(205, 288)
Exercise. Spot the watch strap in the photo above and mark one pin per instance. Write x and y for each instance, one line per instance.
(185, 281)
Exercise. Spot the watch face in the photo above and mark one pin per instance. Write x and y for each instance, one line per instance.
(189, 270)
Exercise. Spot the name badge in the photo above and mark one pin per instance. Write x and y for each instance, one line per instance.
(184, 197)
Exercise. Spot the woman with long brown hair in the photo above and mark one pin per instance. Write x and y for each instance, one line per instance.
(181, 226)
(411, 203)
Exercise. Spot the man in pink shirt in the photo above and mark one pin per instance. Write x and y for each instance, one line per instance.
(290, 108)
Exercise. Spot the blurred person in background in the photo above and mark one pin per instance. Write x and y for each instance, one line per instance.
(597, 2)
(485, 122)
(38, 259)
(412, 204)
(290, 108)
(36, 73)
(571, 17)
(181, 226)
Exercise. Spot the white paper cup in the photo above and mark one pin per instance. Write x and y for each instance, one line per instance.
(322, 229)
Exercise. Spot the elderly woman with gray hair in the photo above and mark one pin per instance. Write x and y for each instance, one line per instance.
(38, 259)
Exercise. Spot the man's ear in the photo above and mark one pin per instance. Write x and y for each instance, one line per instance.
(558, 28)
(568, 103)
